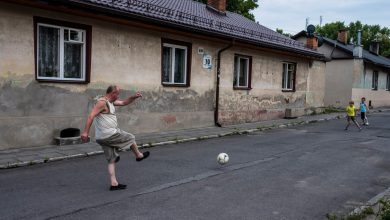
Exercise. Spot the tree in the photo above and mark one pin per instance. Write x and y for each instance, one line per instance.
(370, 33)
(280, 31)
(242, 7)
(330, 30)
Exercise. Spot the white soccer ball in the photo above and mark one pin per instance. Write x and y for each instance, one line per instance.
(222, 158)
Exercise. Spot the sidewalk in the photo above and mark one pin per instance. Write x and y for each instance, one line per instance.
(28, 156)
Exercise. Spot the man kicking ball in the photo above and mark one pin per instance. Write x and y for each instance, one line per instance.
(107, 133)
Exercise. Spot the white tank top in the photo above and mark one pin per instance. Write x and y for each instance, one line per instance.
(106, 123)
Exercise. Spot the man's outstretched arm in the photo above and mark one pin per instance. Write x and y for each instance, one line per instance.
(128, 100)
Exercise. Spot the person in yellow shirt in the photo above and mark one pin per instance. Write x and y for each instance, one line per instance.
(351, 113)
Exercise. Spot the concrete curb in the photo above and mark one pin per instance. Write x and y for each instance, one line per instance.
(374, 201)
(238, 132)
(149, 145)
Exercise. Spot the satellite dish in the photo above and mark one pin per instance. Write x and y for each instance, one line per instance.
(310, 30)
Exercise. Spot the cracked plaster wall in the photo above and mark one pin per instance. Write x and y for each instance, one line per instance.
(363, 73)
(32, 113)
(266, 100)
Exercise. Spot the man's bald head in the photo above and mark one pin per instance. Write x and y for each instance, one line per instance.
(111, 88)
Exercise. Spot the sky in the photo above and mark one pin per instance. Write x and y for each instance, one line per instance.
(290, 15)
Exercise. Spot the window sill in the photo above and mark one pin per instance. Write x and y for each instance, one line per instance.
(174, 85)
(287, 90)
(62, 81)
(242, 88)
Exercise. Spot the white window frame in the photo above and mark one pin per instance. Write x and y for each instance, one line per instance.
(285, 76)
(375, 80)
(61, 52)
(237, 69)
(174, 46)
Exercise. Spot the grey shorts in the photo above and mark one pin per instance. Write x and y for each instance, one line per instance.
(115, 143)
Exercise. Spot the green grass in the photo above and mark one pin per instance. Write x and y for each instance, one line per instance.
(382, 213)
(332, 110)
(384, 209)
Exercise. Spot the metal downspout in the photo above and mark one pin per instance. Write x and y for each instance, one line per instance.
(216, 110)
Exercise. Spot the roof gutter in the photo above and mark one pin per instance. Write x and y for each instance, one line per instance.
(216, 110)
(376, 63)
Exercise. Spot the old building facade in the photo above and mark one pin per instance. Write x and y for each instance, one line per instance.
(55, 59)
(352, 72)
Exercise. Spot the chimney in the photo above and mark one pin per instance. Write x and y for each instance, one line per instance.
(312, 43)
(358, 49)
(342, 36)
(374, 47)
(359, 41)
(217, 5)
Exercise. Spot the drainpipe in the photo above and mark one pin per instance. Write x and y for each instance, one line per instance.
(217, 87)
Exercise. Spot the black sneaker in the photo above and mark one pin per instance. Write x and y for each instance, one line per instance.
(146, 155)
(118, 187)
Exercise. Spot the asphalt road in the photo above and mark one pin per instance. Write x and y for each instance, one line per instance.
(295, 173)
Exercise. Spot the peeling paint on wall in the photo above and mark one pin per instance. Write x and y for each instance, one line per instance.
(57, 108)
(169, 119)
(239, 108)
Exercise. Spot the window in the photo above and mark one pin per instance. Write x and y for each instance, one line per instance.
(288, 78)
(375, 80)
(175, 63)
(242, 72)
(62, 51)
(388, 82)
